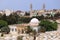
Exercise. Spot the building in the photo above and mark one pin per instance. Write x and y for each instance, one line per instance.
(18, 28)
(2, 12)
(20, 13)
(13, 29)
(37, 12)
(31, 10)
(8, 12)
(34, 24)
(21, 28)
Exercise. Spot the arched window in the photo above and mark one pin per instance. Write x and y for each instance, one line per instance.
(12, 29)
(15, 29)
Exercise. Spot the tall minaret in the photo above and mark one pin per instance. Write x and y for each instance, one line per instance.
(43, 7)
(31, 10)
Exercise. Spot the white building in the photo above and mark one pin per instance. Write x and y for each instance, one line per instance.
(8, 12)
(34, 24)
(13, 29)
(22, 13)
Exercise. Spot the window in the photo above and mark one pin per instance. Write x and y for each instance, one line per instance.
(12, 29)
(15, 29)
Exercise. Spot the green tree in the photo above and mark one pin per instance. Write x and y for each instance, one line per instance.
(27, 14)
(48, 25)
(25, 19)
(5, 30)
(4, 17)
(13, 18)
(39, 17)
(4, 27)
(3, 24)
(0, 16)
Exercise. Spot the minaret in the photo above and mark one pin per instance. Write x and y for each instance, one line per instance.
(30, 6)
(31, 10)
(43, 7)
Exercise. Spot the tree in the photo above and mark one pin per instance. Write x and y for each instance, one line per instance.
(27, 14)
(25, 19)
(4, 17)
(48, 25)
(39, 17)
(0, 16)
(5, 30)
(13, 18)
(3, 24)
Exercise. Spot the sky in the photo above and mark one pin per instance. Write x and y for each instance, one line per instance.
(25, 4)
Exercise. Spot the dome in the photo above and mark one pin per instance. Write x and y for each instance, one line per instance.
(34, 22)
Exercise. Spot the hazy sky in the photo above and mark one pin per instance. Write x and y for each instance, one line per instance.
(24, 4)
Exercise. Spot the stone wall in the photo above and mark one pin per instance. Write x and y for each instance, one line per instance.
(51, 35)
